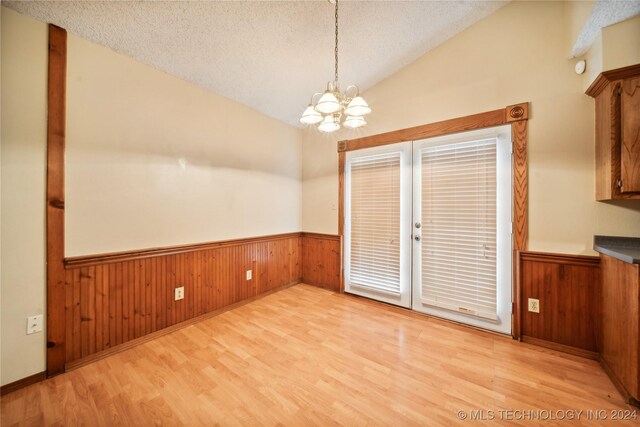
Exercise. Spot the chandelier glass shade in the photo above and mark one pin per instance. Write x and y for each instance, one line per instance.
(333, 109)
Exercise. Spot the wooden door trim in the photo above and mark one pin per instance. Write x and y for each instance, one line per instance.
(56, 122)
(517, 116)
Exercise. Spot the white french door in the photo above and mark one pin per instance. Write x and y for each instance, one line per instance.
(428, 226)
(378, 223)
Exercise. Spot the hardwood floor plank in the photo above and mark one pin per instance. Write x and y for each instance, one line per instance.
(306, 356)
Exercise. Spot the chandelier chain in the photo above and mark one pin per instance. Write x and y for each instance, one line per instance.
(336, 50)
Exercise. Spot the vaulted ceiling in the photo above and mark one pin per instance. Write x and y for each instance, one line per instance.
(269, 55)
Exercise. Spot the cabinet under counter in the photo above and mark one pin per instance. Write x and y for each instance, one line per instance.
(620, 313)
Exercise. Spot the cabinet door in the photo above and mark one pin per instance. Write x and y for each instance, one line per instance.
(630, 135)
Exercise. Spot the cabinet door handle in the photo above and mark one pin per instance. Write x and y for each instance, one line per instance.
(619, 183)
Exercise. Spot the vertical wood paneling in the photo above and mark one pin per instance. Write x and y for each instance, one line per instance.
(263, 256)
(149, 267)
(98, 312)
(568, 288)
(161, 321)
(125, 302)
(68, 310)
(188, 287)
(105, 308)
(108, 303)
(180, 278)
(321, 260)
(112, 305)
(131, 291)
(76, 314)
(85, 291)
(171, 284)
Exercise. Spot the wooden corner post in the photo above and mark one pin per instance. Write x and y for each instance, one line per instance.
(56, 118)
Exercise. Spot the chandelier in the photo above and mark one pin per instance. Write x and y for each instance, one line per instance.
(333, 108)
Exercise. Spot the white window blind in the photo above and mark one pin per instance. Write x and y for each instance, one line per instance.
(375, 222)
(459, 227)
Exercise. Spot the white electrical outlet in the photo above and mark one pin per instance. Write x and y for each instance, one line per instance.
(34, 324)
(179, 293)
(249, 274)
(534, 305)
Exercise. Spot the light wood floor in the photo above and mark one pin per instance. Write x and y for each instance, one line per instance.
(308, 357)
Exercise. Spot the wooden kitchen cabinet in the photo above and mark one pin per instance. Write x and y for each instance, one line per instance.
(617, 95)
(620, 333)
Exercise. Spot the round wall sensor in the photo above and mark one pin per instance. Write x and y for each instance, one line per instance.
(581, 66)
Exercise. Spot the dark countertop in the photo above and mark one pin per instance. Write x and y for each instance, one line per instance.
(626, 249)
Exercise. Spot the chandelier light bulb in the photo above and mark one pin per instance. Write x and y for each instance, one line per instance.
(354, 122)
(310, 116)
(329, 124)
(357, 107)
(328, 103)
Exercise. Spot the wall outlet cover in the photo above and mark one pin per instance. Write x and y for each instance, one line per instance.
(534, 305)
(34, 324)
(179, 293)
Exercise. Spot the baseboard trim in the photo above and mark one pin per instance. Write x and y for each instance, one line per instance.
(561, 347)
(24, 382)
(319, 285)
(146, 338)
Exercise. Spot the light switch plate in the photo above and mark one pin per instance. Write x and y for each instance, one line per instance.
(34, 324)
(249, 274)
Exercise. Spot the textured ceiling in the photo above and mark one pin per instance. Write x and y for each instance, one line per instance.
(269, 55)
(605, 13)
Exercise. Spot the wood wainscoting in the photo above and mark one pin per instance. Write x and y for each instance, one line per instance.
(321, 260)
(568, 288)
(113, 299)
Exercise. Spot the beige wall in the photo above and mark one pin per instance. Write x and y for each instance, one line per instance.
(617, 46)
(153, 160)
(516, 54)
(22, 213)
(577, 14)
(621, 44)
